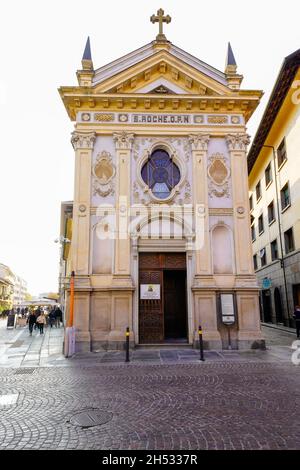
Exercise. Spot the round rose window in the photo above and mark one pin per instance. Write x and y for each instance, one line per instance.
(161, 174)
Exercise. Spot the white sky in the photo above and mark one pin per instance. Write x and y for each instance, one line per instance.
(42, 43)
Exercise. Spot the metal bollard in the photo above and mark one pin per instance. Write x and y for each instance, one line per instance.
(127, 345)
(201, 344)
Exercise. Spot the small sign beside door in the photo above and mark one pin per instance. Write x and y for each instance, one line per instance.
(150, 291)
(227, 309)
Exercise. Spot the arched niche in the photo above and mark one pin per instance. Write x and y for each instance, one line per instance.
(222, 250)
(102, 249)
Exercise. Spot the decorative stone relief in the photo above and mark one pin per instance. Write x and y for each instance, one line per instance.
(136, 150)
(123, 140)
(187, 193)
(199, 141)
(185, 197)
(86, 116)
(238, 142)
(139, 197)
(218, 174)
(101, 117)
(235, 119)
(80, 140)
(104, 172)
(217, 119)
(82, 208)
(186, 149)
(147, 140)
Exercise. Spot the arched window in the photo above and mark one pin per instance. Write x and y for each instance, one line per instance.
(160, 173)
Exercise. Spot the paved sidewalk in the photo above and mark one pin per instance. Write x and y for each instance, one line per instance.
(19, 349)
(286, 329)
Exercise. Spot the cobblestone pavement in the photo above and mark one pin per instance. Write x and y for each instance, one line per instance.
(218, 405)
(163, 399)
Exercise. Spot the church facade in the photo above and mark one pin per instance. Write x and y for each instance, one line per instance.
(160, 227)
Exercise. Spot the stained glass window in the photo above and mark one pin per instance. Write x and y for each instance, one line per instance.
(161, 174)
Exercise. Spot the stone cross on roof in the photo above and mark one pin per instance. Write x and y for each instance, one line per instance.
(160, 18)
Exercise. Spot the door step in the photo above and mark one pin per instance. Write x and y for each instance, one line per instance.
(164, 346)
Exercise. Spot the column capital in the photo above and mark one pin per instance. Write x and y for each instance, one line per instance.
(237, 142)
(82, 140)
(123, 140)
(199, 141)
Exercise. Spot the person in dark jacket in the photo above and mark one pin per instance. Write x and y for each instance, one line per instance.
(297, 318)
(58, 316)
(31, 322)
(52, 318)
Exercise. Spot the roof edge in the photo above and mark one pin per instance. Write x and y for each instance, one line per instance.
(279, 92)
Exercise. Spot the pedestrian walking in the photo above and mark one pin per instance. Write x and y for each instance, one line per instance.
(41, 321)
(37, 314)
(31, 322)
(58, 316)
(297, 318)
(52, 318)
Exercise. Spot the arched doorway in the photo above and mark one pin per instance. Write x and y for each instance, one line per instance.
(278, 306)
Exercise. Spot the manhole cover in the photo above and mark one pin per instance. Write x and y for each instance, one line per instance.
(26, 370)
(89, 418)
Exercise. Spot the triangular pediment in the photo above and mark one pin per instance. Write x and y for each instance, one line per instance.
(155, 77)
(174, 72)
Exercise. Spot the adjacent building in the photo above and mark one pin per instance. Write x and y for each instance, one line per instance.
(13, 289)
(160, 219)
(66, 217)
(7, 280)
(20, 291)
(274, 183)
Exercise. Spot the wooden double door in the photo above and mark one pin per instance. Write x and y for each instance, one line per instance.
(162, 297)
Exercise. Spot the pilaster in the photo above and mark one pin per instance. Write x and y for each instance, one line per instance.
(199, 146)
(123, 142)
(83, 144)
(237, 146)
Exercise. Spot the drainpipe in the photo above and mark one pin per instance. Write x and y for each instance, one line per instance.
(280, 233)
